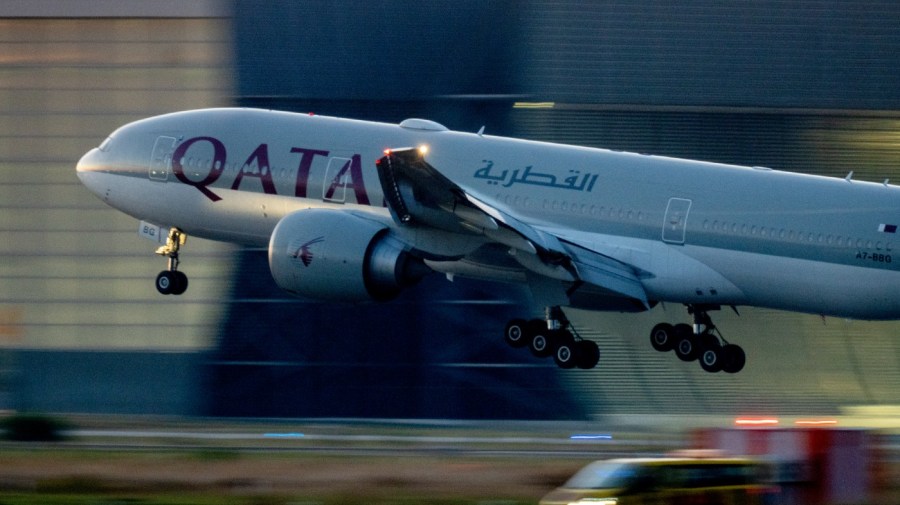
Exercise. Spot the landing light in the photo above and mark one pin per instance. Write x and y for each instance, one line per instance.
(423, 150)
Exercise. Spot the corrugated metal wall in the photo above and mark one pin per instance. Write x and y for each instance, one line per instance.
(73, 273)
(801, 86)
(769, 53)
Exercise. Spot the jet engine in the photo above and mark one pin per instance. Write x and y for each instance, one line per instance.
(335, 255)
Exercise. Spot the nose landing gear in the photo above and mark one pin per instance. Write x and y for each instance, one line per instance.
(172, 281)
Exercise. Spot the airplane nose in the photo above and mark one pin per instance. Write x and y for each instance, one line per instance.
(87, 163)
(87, 170)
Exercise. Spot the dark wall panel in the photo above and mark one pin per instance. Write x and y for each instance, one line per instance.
(436, 352)
(770, 53)
(108, 382)
(381, 50)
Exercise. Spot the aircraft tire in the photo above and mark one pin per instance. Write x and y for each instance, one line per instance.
(588, 354)
(565, 352)
(166, 282)
(734, 358)
(517, 334)
(687, 348)
(662, 337)
(712, 356)
(541, 343)
(181, 283)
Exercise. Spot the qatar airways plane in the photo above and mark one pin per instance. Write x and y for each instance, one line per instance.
(354, 210)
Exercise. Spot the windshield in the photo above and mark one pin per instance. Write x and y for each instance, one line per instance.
(603, 474)
(105, 145)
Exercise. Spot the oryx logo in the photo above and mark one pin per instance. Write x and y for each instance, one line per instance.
(304, 252)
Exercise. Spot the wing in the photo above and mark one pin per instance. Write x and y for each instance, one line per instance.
(417, 194)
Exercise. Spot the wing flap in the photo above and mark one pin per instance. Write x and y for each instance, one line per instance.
(417, 193)
(606, 272)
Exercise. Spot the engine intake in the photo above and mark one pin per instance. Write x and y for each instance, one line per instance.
(334, 255)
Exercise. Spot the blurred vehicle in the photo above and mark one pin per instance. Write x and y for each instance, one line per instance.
(663, 481)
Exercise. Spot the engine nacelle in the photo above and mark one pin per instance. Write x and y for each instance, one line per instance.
(334, 255)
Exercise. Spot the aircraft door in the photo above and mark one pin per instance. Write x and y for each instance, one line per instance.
(161, 158)
(675, 221)
(337, 176)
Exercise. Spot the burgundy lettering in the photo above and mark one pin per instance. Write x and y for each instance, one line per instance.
(215, 169)
(303, 170)
(354, 165)
(264, 173)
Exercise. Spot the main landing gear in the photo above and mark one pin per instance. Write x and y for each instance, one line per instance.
(172, 281)
(553, 336)
(713, 351)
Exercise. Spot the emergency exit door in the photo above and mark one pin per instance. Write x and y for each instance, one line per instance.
(675, 221)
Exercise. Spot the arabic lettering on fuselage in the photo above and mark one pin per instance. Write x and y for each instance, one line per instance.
(574, 180)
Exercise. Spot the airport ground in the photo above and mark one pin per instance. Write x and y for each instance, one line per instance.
(144, 461)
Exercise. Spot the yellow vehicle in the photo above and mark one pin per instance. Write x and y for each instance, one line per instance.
(664, 481)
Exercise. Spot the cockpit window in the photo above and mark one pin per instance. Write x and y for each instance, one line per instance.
(105, 145)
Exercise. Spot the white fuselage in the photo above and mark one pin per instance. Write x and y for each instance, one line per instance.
(697, 233)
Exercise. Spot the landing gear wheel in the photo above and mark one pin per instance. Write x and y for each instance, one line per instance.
(588, 354)
(181, 283)
(541, 344)
(566, 354)
(734, 358)
(516, 334)
(712, 357)
(702, 340)
(166, 282)
(662, 337)
(686, 348)
(170, 282)
(553, 336)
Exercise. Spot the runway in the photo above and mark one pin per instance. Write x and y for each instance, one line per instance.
(320, 461)
(498, 439)
(316, 461)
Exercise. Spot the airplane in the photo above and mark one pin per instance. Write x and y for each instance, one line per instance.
(358, 211)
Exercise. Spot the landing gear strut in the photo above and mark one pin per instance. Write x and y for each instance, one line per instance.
(703, 341)
(172, 281)
(553, 336)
